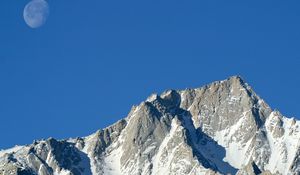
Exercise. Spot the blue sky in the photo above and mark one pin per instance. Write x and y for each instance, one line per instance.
(94, 59)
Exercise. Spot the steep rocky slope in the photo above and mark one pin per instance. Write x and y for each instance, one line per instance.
(221, 128)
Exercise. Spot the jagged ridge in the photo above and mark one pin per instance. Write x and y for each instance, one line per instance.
(221, 128)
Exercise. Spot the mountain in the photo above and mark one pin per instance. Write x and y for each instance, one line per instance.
(220, 128)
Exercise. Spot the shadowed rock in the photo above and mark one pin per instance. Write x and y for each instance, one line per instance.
(220, 128)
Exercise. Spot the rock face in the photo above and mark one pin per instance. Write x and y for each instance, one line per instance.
(221, 128)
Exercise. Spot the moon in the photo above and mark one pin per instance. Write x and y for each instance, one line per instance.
(36, 13)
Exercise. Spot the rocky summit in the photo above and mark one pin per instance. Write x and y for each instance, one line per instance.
(220, 128)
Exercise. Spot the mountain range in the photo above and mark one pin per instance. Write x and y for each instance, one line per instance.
(220, 128)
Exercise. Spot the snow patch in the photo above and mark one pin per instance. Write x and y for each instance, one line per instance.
(11, 150)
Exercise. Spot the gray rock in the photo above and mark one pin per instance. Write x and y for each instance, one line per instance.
(220, 128)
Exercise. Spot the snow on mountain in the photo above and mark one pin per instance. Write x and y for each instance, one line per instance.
(220, 128)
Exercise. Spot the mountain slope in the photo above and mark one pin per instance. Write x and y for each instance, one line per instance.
(221, 128)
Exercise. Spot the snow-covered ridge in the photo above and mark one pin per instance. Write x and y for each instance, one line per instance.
(220, 128)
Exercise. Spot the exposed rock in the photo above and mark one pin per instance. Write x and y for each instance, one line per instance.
(221, 128)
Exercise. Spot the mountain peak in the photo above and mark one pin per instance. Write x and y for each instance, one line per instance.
(236, 78)
(220, 128)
